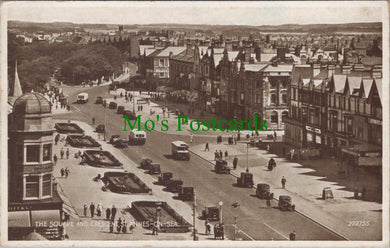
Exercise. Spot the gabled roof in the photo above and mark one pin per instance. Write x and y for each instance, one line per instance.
(305, 82)
(317, 83)
(353, 83)
(339, 81)
(378, 83)
(266, 57)
(366, 86)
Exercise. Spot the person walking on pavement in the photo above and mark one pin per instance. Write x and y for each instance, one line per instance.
(111, 226)
(57, 138)
(226, 154)
(119, 225)
(220, 154)
(216, 154)
(268, 202)
(62, 172)
(85, 208)
(364, 191)
(293, 235)
(207, 147)
(55, 158)
(67, 172)
(108, 213)
(283, 182)
(67, 153)
(275, 136)
(99, 209)
(235, 162)
(93, 120)
(113, 212)
(92, 209)
(62, 152)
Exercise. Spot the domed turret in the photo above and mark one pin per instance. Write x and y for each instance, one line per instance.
(32, 103)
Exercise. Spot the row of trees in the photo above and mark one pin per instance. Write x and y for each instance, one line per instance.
(73, 63)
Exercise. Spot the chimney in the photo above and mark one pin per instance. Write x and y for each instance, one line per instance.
(247, 54)
(281, 53)
(258, 53)
(346, 69)
(274, 63)
(251, 60)
(316, 69)
(170, 54)
(331, 70)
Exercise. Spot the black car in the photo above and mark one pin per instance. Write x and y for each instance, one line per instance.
(120, 110)
(130, 114)
(112, 105)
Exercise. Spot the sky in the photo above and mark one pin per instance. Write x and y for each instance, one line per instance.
(214, 13)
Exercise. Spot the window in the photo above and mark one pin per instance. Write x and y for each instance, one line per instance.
(274, 117)
(46, 185)
(32, 186)
(161, 74)
(273, 98)
(284, 115)
(47, 152)
(272, 84)
(284, 98)
(258, 99)
(161, 62)
(32, 153)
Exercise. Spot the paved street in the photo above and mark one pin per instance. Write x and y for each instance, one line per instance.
(254, 219)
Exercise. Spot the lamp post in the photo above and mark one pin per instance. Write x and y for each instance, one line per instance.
(235, 206)
(194, 217)
(220, 203)
(105, 123)
(247, 157)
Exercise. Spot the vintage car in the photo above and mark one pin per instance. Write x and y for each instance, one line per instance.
(210, 213)
(285, 203)
(112, 105)
(130, 114)
(187, 194)
(120, 109)
(114, 138)
(221, 167)
(174, 185)
(100, 128)
(121, 143)
(154, 168)
(263, 191)
(164, 178)
(245, 180)
(99, 100)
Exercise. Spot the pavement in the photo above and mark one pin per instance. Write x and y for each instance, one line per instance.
(79, 189)
(305, 187)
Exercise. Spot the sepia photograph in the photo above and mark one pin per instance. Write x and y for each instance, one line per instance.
(194, 124)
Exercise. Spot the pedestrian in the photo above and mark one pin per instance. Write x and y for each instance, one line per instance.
(93, 120)
(191, 138)
(85, 208)
(113, 212)
(67, 172)
(207, 147)
(275, 136)
(222, 231)
(283, 182)
(292, 151)
(268, 202)
(216, 154)
(119, 225)
(55, 158)
(364, 191)
(235, 139)
(57, 138)
(62, 152)
(99, 209)
(226, 154)
(235, 162)
(108, 213)
(356, 193)
(111, 226)
(207, 226)
(62, 172)
(293, 235)
(215, 231)
(124, 226)
(220, 154)
(67, 153)
(131, 228)
(92, 209)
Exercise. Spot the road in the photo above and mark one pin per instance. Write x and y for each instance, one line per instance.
(254, 220)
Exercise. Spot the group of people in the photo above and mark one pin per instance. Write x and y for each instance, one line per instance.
(219, 154)
(121, 226)
(65, 172)
(62, 153)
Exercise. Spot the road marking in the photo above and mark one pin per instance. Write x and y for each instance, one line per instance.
(239, 230)
(281, 234)
(77, 108)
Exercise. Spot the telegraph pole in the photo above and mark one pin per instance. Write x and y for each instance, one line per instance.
(194, 217)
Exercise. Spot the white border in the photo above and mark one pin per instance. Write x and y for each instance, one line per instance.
(386, 112)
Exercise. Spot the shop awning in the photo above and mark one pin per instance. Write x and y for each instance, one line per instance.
(18, 219)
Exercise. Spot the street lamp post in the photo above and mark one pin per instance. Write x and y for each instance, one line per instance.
(236, 206)
(194, 217)
(105, 123)
(220, 203)
(247, 157)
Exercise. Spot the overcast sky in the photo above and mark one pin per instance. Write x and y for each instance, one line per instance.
(227, 13)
